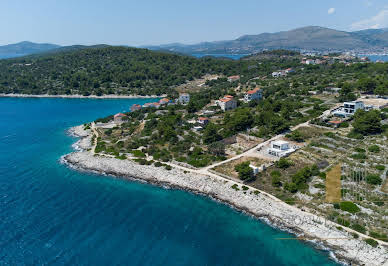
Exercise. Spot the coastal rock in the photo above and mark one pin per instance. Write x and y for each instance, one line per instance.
(259, 204)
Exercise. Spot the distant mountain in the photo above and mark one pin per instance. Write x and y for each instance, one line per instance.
(312, 38)
(25, 48)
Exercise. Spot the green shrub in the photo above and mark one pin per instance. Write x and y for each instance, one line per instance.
(371, 242)
(336, 205)
(359, 228)
(291, 187)
(354, 135)
(374, 148)
(359, 156)
(355, 235)
(360, 150)
(235, 187)
(158, 164)
(245, 172)
(322, 175)
(276, 182)
(138, 153)
(373, 179)
(329, 134)
(283, 163)
(343, 222)
(245, 187)
(168, 167)
(276, 173)
(349, 207)
(344, 125)
(322, 186)
(296, 136)
(380, 167)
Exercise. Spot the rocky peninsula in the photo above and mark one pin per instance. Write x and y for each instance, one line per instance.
(306, 226)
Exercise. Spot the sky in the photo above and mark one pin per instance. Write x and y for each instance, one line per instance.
(152, 22)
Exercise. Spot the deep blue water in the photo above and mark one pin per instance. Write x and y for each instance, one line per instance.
(52, 215)
(232, 56)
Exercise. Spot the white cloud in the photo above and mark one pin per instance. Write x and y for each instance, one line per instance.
(331, 10)
(378, 21)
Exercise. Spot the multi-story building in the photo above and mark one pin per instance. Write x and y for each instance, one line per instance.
(255, 94)
(184, 98)
(227, 103)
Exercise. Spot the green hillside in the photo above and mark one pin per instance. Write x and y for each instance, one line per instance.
(104, 70)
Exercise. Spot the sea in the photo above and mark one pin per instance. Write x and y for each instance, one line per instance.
(53, 215)
(375, 58)
(231, 56)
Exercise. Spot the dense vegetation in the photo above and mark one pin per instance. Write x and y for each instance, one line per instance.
(105, 70)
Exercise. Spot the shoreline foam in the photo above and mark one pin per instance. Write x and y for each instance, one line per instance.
(275, 213)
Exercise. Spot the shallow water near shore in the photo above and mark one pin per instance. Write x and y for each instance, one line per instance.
(50, 214)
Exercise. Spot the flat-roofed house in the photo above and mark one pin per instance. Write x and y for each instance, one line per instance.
(184, 98)
(254, 94)
(280, 148)
(348, 109)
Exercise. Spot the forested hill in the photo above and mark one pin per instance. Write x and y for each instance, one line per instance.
(104, 70)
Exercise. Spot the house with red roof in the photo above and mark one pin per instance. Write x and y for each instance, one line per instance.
(118, 118)
(233, 78)
(255, 94)
(227, 103)
(135, 107)
(203, 120)
(164, 101)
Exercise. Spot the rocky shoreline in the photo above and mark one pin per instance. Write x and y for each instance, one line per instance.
(341, 243)
(77, 96)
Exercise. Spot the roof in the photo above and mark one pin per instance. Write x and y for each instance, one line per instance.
(335, 122)
(225, 100)
(228, 96)
(119, 115)
(280, 142)
(164, 100)
(234, 77)
(136, 105)
(203, 118)
(253, 91)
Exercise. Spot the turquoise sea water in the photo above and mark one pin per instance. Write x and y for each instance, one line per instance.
(52, 215)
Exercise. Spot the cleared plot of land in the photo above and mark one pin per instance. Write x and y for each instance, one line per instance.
(228, 168)
(333, 184)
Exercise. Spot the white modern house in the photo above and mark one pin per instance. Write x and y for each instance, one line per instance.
(349, 108)
(184, 98)
(352, 107)
(280, 148)
(255, 94)
(310, 62)
(277, 74)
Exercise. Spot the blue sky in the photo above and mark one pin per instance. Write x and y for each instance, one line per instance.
(145, 22)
